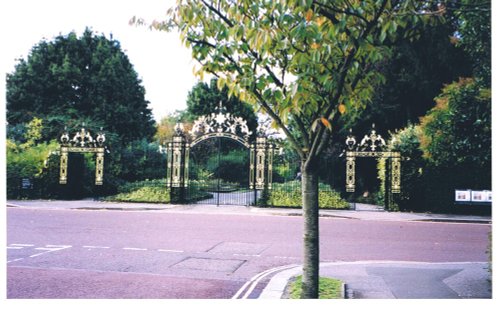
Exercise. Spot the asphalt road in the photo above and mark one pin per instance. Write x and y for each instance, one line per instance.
(160, 254)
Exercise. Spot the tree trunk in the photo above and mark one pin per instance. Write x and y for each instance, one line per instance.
(310, 206)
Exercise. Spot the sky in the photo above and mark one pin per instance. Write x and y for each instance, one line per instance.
(163, 64)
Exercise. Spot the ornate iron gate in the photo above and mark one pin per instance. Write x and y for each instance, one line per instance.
(218, 162)
(373, 146)
(82, 142)
(219, 173)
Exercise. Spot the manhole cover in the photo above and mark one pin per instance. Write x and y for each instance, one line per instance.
(219, 265)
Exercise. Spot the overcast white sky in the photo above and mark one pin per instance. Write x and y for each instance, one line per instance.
(163, 64)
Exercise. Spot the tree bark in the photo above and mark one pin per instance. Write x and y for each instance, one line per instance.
(310, 206)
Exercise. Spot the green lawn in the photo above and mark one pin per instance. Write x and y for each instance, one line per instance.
(328, 288)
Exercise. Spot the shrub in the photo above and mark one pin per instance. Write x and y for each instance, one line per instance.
(26, 161)
(146, 191)
(289, 194)
(144, 194)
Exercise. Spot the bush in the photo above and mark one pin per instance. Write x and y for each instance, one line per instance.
(144, 195)
(147, 191)
(26, 161)
(289, 194)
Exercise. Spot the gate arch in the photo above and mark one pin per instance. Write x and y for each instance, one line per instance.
(217, 126)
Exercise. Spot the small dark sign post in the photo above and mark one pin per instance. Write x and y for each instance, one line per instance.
(26, 184)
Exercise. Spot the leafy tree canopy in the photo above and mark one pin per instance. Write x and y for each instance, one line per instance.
(457, 130)
(204, 99)
(474, 35)
(303, 62)
(415, 74)
(73, 79)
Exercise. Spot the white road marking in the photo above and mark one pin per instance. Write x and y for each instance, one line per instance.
(135, 249)
(50, 248)
(284, 257)
(15, 260)
(173, 251)
(240, 254)
(19, 246)
(256, 279)
(96, 247)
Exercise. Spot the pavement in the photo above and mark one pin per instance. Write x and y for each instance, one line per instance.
(362, 279)
(361, 211)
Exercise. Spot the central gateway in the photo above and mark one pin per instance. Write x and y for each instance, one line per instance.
(218, 162)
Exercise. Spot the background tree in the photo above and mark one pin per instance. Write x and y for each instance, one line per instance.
(165, 129)
(204, 99)
(456, 141)
(414, 74)
(304, 63)
(74, 79)
(454, 137)
(474, 35)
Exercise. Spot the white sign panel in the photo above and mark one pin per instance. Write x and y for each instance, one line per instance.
(481, 196)
(462, 195)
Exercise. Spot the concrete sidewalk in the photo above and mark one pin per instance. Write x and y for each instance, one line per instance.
(362, 212)
(398, 280)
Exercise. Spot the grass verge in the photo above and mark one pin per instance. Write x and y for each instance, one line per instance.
(329, 288)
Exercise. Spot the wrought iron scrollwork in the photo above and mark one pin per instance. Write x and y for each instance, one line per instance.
(220, 124)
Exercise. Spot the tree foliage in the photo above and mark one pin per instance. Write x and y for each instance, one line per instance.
(415, 74)
(28, 159)
(79, 79)
(451, 147)
(474, 35)
(301, 61)
(73, 80)
(165, 129)
(204, 99)
(457, 131)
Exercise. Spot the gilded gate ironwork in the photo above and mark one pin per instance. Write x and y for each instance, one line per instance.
(82, 142)
(219, 125)
(371, 146)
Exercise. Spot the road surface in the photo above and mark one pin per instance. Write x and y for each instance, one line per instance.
(162, 254)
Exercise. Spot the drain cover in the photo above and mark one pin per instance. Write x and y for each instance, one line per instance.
(219, 265)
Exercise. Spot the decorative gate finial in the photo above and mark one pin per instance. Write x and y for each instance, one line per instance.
(375, 140)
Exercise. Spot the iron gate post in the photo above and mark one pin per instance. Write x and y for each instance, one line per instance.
(177, 167)
(261, 168)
